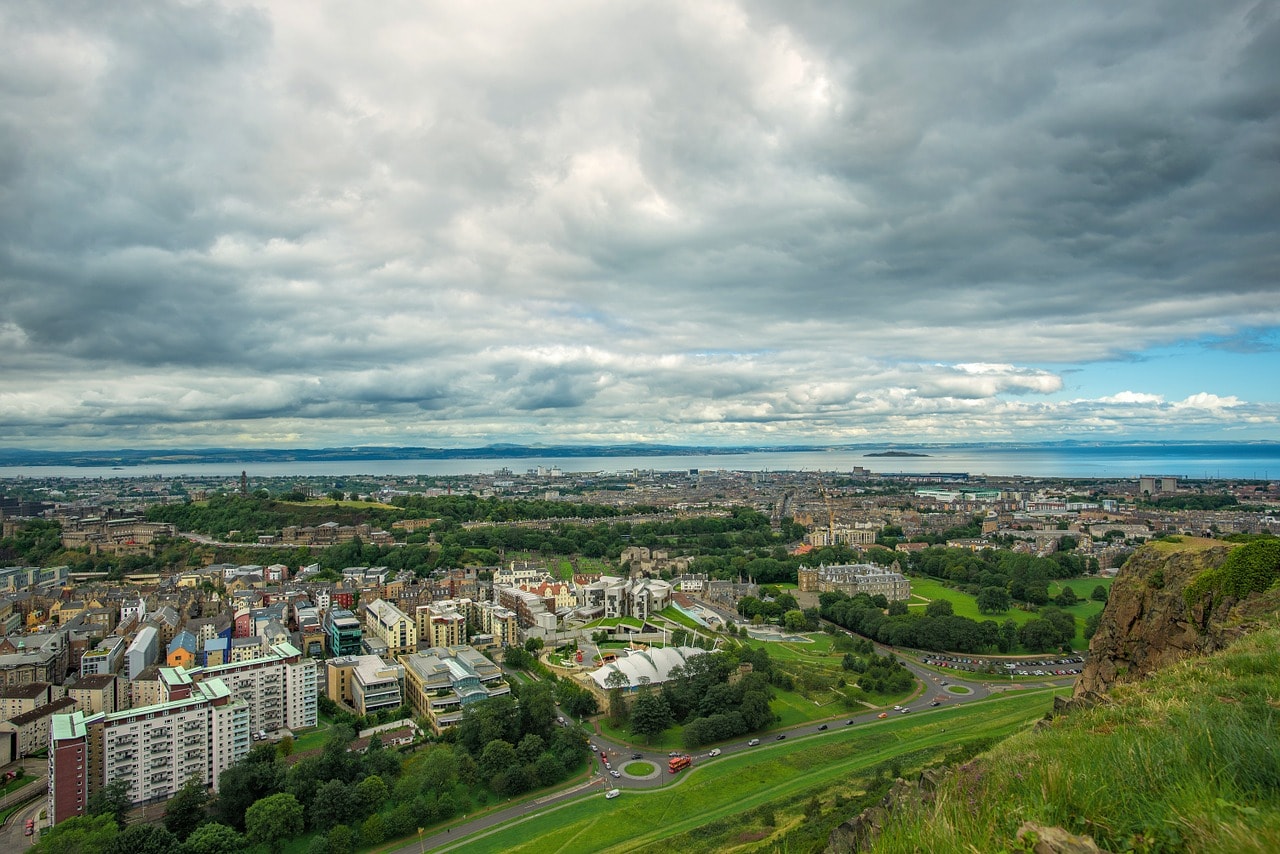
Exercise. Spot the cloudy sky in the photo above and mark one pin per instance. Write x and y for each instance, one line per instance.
(309, 224)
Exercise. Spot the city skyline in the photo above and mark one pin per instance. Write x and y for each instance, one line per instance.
(714, 224)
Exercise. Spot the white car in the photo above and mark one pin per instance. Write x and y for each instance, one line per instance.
(715, 752)
(613, 793)
(613, 772)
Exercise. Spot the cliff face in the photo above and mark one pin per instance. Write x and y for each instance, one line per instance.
(1147, 622)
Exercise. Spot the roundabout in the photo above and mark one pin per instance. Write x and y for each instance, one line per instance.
(642, 770)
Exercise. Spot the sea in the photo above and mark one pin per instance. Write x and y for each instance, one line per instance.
(1211, 461)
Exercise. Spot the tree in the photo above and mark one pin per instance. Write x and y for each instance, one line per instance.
(186, 809)
(794, 621)
(650, 716)
(143, 839)
(897, 608)
(332, 804)
(251, 779)
(113, 800)
(993, 600)
(498, 755)
(215, 838)
(273, 819)
(1091, 624)
(1067, 597)
(616, 682)
(78, 835)
(1099, 594)
(939, 608)
(368, 795)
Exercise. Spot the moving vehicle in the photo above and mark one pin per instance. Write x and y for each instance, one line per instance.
(781, 737)
(675, 764)
(821, 728)
(849, 722)
(614, 773)
(935, 703)
(715, 752)
(637, 756)
(30, 828)
(883, 715)
(604, 756)
(905, 710)
(560, 720)
(613, 793)
(753, 742)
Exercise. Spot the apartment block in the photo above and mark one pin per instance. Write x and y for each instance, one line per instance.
(279, 686)
(198, 731)
(105, 658)
(442, 623)
(343, 632)
(367, 683)
(392, 626)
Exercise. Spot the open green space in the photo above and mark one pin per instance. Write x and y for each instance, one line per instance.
(639, 769)
(924, 590)
(741, 782)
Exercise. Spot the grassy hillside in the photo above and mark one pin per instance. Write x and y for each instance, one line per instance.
(766, 797)
(1187, 760)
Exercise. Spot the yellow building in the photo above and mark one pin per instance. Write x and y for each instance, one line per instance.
(391, 625)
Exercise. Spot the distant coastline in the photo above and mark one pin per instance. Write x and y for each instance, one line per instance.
(895, 454)
(128, 458)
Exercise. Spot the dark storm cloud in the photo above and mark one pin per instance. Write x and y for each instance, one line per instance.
(303, 221)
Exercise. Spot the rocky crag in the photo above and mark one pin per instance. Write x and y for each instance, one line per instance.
(1153, 617)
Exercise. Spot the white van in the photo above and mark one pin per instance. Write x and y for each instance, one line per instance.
(753, 742)
(715, 752)
(613, 793)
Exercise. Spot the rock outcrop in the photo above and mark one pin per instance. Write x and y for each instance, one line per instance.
(1148, 623)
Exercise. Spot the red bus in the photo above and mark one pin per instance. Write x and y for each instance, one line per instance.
(31, 827)
(677, 762)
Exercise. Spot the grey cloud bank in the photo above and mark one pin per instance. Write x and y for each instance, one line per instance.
(716, 223)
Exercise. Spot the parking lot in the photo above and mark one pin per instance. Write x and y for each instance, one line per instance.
(1066, 666)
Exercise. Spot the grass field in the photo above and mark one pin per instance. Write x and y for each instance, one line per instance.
(924, 590)
(734, 784)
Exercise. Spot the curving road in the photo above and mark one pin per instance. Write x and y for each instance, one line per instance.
(620, 754)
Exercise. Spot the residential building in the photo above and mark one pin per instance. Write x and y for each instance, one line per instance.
(442, 623)
(394, 627)
(29, 731)
(99, 693)
(142, 652)
(198, 731)
(106, 657)
(366, 683)
(343, 631)
(16, 699)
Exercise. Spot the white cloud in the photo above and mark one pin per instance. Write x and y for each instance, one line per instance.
(572, 221)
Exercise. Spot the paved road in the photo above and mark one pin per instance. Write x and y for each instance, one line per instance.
(620, 753)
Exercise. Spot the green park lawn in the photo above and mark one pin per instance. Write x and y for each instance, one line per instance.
(924, 590)
(737, 783)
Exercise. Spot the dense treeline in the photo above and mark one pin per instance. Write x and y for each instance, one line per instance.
(472, 508)
(1024, 577)
(939, 630)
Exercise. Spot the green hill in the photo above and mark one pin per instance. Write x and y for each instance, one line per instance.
(1186, 760)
